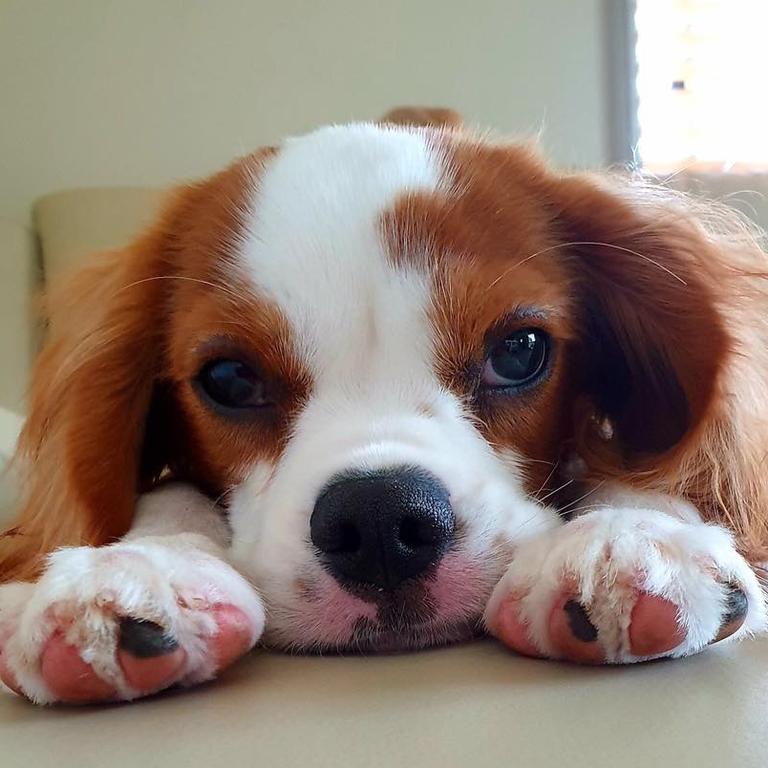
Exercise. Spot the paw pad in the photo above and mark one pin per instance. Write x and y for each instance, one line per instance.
(736, 608)
(145, 639)
(578, 621)
(150, 658)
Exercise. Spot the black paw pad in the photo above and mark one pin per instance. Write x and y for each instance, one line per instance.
(578, 620)
(736, 604)
(145, 639)
(736, 607)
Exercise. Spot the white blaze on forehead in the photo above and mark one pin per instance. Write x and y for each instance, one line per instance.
(314, 245)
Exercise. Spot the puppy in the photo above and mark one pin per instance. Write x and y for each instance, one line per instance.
(388, 386)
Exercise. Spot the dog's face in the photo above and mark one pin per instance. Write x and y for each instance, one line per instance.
(374, 344)
(381, 386)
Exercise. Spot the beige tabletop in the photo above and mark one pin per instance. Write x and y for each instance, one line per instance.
(475, 705)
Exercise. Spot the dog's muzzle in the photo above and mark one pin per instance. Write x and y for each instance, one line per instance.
(379, 529)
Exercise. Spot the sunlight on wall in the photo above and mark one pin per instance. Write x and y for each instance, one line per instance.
(701, 83)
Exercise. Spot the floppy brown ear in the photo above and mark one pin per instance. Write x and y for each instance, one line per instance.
(655, 342)
(437, 117)
(80, 451)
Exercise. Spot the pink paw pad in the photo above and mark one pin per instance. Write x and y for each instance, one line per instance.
(654, 628)
(69, 678)
(511, 630)
(235, 635)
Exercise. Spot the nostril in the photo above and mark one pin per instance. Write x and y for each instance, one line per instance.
(415, 533)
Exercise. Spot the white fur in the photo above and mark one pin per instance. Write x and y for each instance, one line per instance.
(170, 570)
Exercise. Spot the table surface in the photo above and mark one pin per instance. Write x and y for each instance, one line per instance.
(475, 705)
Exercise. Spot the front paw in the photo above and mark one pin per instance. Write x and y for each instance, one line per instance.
(625, 585)
(124, 621)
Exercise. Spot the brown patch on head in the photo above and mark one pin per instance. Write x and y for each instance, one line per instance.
(111, 407)
(487, 245)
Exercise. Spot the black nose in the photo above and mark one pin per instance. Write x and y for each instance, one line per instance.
(382, 528)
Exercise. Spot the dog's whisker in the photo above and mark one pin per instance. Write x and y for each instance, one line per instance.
(570, 506)
(594, 243)
(217, 286)
(546, 480)
(556, 490)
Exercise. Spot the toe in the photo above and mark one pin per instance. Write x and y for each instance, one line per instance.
(573, 633)
(235, 636)
(70, 678)
(736, 607)
(654, 628)
(150, 659)
(509, 627)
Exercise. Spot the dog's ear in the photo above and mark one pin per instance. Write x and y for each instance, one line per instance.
(436, 117)
(654, 339)
(80, 456)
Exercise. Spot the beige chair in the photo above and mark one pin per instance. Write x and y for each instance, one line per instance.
(475, 705)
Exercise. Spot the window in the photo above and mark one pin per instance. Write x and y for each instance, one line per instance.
(702, 84)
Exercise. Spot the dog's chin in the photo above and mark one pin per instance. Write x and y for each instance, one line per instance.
(372, 638)
(376, 639)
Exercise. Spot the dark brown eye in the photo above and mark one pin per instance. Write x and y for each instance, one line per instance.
(232, 385)
(517, 360)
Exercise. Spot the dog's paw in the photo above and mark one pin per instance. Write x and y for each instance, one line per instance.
(625, 585)
(119, 622)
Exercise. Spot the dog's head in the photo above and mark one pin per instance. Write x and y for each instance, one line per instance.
(374, 344)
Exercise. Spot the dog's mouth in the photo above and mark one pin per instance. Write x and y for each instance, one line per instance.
(408, 619)
(369, 636)
(442, 609)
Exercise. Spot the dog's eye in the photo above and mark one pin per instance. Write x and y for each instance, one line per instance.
(232, 384)
(518, 359)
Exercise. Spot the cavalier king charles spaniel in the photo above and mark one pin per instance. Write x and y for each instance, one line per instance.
(388, 386)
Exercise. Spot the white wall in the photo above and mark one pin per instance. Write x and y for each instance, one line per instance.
(145, 91)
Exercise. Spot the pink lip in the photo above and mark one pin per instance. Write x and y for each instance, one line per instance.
(460, 587)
